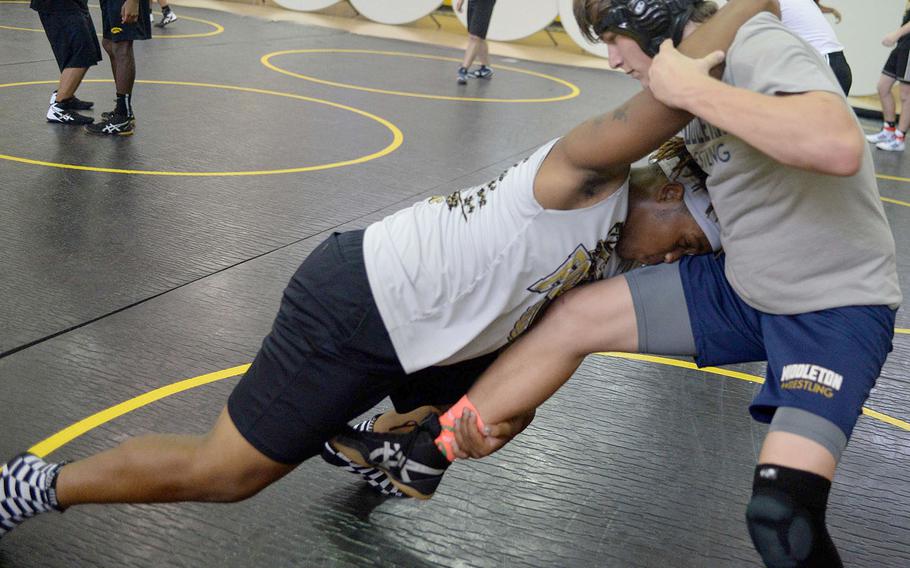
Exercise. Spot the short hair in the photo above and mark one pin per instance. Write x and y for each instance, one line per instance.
(589, 13)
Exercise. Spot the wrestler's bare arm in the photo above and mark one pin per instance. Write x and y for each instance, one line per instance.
(607, 144)
(786, 127)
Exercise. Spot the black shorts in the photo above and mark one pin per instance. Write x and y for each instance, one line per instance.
(72, 37)
(329, 359)
(896, 66)
(479, 14)
(115, 30)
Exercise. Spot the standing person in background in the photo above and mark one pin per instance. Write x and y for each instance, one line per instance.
(123, 21)
(806, 20)
(71, 33)
(891, 136)
(479, 14)
(167, 15)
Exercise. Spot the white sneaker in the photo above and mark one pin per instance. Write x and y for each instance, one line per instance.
(893, 145)
(881, 136)
(168, 19)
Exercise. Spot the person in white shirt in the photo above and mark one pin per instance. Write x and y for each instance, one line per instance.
(807, 20)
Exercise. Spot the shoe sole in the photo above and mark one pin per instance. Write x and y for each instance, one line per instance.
(130, 133)
(355, 456)
(67, 123)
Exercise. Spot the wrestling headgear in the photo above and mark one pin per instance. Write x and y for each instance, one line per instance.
(648, 22)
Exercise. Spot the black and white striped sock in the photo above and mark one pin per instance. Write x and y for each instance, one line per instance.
(27, 488)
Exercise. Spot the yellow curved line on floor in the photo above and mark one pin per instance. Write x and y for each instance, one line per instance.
(895, 201)
(265, 60)
(218, 27)
(70, 433)
(902, 424)
(397, 136)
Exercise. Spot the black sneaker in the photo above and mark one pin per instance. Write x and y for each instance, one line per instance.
(483, 72)
(27, 488)
(75, 104)
(113, 125)
(412, 461)
(462, 76)
(58, 115)
(376, 478)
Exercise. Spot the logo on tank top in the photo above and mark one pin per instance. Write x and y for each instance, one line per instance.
(466, 201)
(811, 378)
(579, 267)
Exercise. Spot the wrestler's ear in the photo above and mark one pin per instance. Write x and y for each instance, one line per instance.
(672, 191)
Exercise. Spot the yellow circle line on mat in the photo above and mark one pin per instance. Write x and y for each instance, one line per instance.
(72, 432)
(397, 136)
(902, 424)
(901, 330)
(895, 201)
(218, 27)
(265, 60)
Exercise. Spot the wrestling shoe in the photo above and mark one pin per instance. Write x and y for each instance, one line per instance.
(412, 461)
(483, 72)
(462, 76)
(27, 488)
(377, 479)
(112, 125)
(59, 115)
(166, 19)
(894, 145)
(884, 135)
(73, 103)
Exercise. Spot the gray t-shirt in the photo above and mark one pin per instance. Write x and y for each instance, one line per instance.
(796, 241)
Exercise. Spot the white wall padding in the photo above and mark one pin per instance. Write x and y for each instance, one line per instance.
(395, 11)
(306, 5)
(567, 17)
(515, 19)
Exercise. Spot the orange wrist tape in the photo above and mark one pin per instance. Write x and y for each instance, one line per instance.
(447, 420)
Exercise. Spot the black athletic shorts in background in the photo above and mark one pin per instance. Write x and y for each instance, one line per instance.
(479, 14)
(329, 359)
(896, 66)
(72, 37)
(115, 30)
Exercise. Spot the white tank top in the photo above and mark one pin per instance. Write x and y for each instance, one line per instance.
(805, 19)
(459, 276)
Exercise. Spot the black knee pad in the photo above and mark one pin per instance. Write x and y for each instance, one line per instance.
(786, 519)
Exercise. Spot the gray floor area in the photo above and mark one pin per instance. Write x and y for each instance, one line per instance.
(114, 284)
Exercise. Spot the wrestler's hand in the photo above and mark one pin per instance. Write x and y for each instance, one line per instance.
(459, 5)
(471, 443)
(129, 13)
(676, 79)
(889, 40)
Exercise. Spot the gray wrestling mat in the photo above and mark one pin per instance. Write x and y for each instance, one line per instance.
(118, 278)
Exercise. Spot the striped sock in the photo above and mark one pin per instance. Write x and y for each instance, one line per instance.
(27, 488)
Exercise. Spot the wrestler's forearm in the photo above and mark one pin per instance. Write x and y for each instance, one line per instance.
(591, 318)
(640, 125)
(786, 128)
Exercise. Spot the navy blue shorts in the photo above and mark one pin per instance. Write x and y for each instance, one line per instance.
(823, 362)
(329, 359)
(115, 30)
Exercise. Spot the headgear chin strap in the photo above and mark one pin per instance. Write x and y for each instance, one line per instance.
(648, 22)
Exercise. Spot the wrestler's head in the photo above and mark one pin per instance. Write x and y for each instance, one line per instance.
(634, 29)
(670, 213)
